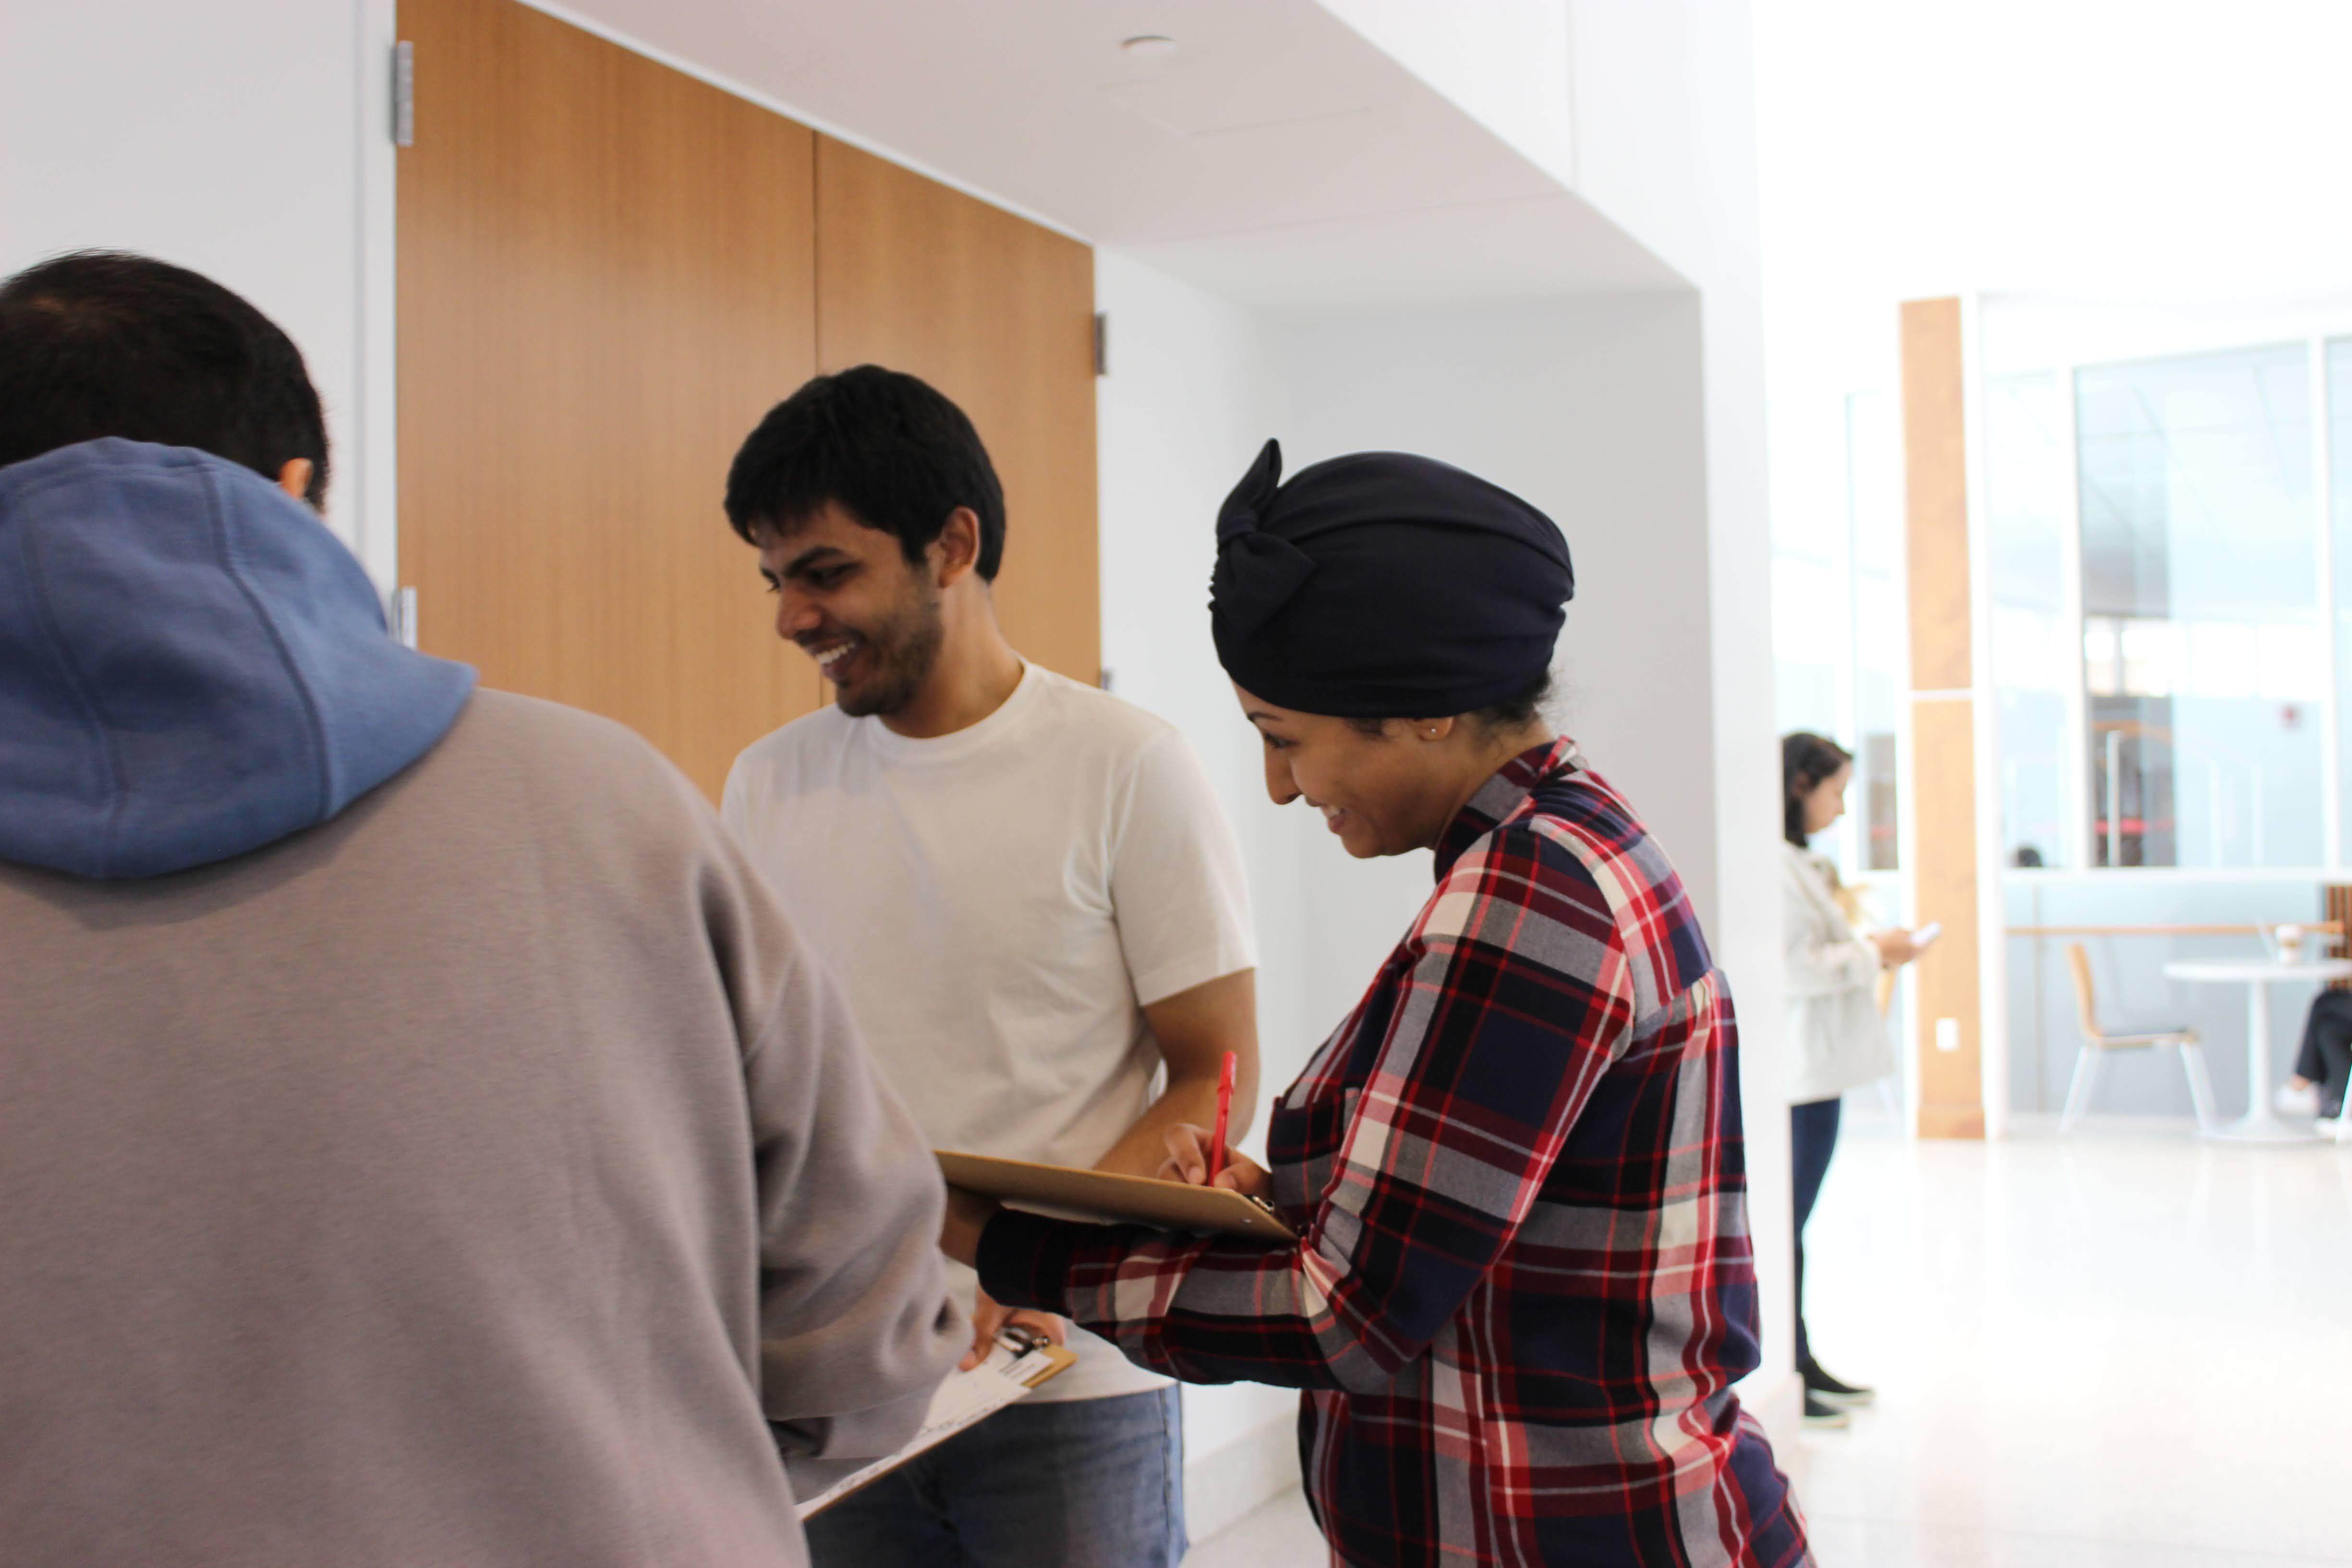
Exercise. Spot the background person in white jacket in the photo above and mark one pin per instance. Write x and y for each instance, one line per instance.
(1839, 1040)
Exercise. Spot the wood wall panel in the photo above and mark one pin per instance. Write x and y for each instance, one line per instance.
(1943, 739)
(606, 275)
(997, 314)
(1936, 495)
(1943, 755)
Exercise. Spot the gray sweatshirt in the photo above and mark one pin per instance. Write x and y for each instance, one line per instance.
(468, 1177)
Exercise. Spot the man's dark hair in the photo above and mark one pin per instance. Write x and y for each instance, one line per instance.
(101, 342)
(885, 447)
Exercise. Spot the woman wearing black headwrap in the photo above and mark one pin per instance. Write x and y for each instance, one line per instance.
(1523, 1288)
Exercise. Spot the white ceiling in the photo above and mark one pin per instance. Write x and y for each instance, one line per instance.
(1275, 157)
(1912, 147)
(2118, 179)
(1530, 247)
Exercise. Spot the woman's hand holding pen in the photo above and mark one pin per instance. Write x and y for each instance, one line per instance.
(1188, 1162)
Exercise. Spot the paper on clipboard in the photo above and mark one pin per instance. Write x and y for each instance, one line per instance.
(1021, 1361)
(1175, 1205)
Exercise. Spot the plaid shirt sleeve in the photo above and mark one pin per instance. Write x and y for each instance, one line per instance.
(1515, 996)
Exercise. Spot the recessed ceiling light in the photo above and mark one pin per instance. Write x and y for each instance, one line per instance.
(1149, 45)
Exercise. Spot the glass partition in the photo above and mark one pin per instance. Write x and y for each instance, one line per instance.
(2204, 654)
(1837, 629)
(2166, 589)
(2027, 534)
(1809, 640)
(2339, 468)
(1875, 506)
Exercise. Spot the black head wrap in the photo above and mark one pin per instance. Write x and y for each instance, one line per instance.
(1383, 586)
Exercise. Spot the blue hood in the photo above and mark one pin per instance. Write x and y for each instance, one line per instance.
(190, 665)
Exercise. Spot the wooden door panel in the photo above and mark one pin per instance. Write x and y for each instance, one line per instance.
(606, 275)
(997, 314)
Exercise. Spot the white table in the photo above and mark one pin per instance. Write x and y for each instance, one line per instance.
(2259, 1124)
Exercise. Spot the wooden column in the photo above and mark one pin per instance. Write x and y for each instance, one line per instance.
(1943, 723)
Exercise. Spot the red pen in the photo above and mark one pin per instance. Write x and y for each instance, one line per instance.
(1224, 1114)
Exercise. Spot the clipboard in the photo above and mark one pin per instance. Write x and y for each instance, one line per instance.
(1173, 1206)
(1021, 1361)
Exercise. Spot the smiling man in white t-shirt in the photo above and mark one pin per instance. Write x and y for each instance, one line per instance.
(1034, 903)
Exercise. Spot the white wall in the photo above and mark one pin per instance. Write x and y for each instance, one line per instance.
(239, 139)
(1591, 407)
(1188, 400)
(1662, 138)
(1665, 95)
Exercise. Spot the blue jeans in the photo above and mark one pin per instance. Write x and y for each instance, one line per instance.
(1813, 1139)
(1087, 1483)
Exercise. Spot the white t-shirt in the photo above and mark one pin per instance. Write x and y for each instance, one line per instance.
(999, 905)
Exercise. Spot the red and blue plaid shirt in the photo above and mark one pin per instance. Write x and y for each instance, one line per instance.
(1524, 1287)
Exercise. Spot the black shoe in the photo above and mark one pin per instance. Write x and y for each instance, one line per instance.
(1830, 1391)
(1826, 1416)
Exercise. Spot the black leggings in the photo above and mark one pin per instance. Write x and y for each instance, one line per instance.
(2327, 1056)
(1813, 1139)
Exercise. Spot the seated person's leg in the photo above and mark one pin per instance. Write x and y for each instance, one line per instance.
(2325, 1058)
(2335, 1072)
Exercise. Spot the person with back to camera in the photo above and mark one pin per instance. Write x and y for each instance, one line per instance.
(1837, 1038)
(1522, 1290)
(423, 1140)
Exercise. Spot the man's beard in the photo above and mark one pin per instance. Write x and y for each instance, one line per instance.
(907, 648)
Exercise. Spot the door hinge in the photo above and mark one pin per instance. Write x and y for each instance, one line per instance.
(1102, 342)
(404, 616)
(403, 94)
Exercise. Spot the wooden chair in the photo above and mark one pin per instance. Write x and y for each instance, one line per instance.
(2098, 1041)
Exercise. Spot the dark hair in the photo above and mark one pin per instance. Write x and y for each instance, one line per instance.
(886, 447)
(1521, 707)
(101, 342)
(1807, 762)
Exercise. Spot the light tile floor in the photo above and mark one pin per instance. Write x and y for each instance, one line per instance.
(2121, 1351)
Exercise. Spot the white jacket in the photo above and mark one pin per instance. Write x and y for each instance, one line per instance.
(1837, 1039)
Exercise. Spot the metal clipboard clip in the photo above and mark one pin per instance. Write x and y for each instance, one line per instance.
(1022, 1339)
